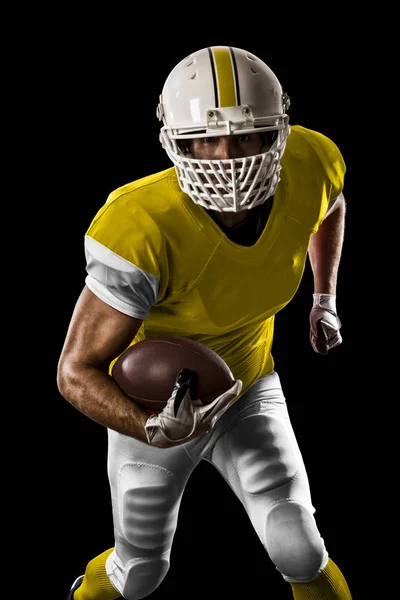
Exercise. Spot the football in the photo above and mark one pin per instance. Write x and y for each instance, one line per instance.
(147, 371)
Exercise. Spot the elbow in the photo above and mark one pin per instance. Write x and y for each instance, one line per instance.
(65, 378)
(62, 379)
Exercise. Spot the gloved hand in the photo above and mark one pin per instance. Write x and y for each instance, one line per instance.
(185, 417)
(324, 323)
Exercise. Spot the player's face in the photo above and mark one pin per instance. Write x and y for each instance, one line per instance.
(226, 146)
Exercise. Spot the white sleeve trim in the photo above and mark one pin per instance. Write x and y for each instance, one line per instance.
(118, 282)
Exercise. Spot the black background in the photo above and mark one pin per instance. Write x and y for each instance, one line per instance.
(102, 86)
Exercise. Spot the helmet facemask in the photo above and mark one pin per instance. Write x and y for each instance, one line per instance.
(229, 185)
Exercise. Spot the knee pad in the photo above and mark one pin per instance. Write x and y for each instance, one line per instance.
(144, 576)
(293, 542)
(139, 577)
(145, 521)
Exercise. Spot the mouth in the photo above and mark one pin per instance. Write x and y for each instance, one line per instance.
(230, 185)
(215, 185)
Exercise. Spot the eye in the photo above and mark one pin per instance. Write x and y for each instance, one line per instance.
(209, 140)
(243, 138)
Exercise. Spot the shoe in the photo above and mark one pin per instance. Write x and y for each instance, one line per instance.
(74, 587)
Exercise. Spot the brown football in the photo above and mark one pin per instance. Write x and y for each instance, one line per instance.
(147, 371)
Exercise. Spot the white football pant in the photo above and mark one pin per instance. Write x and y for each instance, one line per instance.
(255, 449)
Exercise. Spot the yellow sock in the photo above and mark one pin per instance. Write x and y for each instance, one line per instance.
(96, 584)
(329, 585)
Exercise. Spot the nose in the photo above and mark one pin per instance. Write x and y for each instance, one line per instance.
(227, 148)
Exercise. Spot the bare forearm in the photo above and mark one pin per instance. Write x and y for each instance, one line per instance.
(95, 394)
(325, 251)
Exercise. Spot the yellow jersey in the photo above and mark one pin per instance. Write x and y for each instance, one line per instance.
(154, 254)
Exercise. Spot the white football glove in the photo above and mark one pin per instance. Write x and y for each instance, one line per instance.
(185, 417)
(324, 323)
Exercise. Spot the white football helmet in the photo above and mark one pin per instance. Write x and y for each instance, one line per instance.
(221, 91)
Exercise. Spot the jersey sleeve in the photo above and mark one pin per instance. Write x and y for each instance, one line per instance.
(332, 163)
(125, 257)
(333, 169)
(316, 172)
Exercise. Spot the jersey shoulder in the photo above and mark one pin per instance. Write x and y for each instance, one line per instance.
(132, 214)
(140, 187)
(315, 154)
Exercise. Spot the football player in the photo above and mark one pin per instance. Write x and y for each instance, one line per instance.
(210, 249)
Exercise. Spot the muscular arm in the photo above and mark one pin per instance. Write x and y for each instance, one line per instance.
(97, 334)
(325, 248)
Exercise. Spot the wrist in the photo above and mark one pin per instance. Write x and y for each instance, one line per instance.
(327, 301)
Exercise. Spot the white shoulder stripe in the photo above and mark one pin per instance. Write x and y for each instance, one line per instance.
(118, 282)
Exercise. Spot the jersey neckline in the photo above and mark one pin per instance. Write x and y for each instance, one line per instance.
(252, 254)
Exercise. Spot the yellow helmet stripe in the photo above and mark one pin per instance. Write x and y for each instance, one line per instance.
(225, 76)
